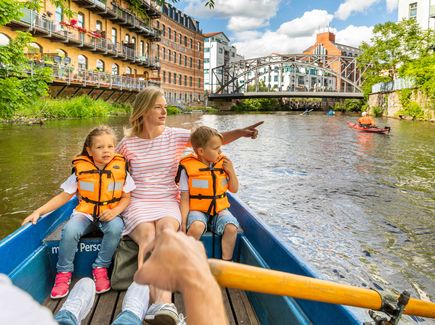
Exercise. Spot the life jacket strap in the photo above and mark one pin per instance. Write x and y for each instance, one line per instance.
(208, 197)
(97, 171)
(87, 200)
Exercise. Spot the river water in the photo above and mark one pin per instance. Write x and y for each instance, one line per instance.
(359, 208)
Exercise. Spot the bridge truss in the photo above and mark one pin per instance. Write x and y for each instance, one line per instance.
(293, 73)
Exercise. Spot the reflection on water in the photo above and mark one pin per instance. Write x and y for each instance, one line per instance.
(358, 207)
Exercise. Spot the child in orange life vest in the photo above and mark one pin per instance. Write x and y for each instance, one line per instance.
(204, 178)
(103, 185)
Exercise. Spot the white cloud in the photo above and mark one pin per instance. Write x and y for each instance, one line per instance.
(307, 24)
(391, 5)
(354, 35)
(264, 9)
(350, 6)
(238, 23)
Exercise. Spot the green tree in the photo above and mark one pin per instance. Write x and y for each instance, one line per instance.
(393, 46)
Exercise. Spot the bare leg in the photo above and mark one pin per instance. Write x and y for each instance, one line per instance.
(229, 241)
(163, 296)
(144, 235)
(196, 229)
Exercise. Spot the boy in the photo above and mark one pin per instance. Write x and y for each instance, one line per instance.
(204, 178)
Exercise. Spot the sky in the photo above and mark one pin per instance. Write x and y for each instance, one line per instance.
(262, 27)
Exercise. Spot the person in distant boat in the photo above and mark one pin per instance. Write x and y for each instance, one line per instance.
(153, 151)
(366, 121)
(204, 178)
(103, 185)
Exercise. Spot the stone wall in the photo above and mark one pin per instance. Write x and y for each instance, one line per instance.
(390, 102)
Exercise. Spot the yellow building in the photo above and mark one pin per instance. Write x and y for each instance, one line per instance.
(107, 49)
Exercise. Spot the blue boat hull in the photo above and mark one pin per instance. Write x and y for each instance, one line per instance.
(29, 258)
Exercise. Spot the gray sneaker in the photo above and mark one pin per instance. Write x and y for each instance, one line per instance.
(162, 314)
(80, 299)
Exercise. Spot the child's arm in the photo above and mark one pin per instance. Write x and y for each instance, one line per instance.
(110, 214)
(184, 208)
(51, 205)
(233, 183)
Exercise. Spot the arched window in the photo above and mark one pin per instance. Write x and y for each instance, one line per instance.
(4, 39)
(82, 62)
(114, 35)
(142, 48)
(127, 38)
(99, 25)
(34, 49)
(133, 40)
(100, 65)
(127, 70)
(61, 53)
(81, 20)
(115, 69)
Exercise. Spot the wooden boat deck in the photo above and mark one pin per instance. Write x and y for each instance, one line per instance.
(108, 305)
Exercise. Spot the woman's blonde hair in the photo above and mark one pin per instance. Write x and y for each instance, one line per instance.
(145, 100)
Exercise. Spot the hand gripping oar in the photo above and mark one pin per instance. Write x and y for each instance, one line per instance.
(250, 278)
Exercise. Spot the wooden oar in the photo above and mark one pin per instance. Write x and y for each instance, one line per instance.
(250, 278)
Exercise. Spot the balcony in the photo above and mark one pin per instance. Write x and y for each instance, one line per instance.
(152, 11)
(98, 6)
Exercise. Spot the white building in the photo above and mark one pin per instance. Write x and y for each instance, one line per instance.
(421, 10)
(217, 52)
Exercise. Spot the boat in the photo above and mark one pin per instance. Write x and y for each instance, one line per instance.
(356, 126)
(266, 267)
(29, 255)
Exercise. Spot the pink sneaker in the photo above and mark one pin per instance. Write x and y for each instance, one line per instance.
(102, 282)
(61, 285)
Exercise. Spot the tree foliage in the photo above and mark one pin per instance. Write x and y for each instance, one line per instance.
(9, 10)
(393, 47)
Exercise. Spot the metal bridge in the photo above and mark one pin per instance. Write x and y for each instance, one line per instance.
(293, 75)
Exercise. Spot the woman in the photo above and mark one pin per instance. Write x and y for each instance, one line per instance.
(153, 151)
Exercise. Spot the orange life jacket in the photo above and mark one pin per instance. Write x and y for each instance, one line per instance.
(207, 185)
(366, 120)
(99, 189)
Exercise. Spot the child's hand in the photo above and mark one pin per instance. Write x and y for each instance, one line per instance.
(108, 215)
(31, 218)
(228, 166)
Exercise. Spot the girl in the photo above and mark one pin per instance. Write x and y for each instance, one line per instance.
(103, 185)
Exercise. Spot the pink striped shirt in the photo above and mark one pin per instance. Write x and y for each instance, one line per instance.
(153, 166)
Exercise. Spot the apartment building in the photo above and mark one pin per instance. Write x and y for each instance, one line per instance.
(423, 11)
(106, 49)
(217, 52)
(180, 53)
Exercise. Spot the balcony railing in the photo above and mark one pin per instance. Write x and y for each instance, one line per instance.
(38, 24)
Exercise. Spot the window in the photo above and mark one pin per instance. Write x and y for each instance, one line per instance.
(164, 76)
(127, 38)
(99, 25)
(199, 64)
(169, 55)
(115, 69)
(198, 46)
(163, 30)
(127, 70)
(158, 51)
(199, 82)
(179, 79)
(81, 20)
(175, 57)
(185, 40)
(169, 32)
(175, 78)
(413, 10)
(58, 16)
(190, 81)
(34, 48)
(82, 62)
(191, 43)
(181, 39)
(175, 36)
(206, 61)
(191, 64)
(169, 77)
(185, 61)
(163, 53)
(158, 24)
(114, 36)
(206, 71)
(179, 58)
(206, 49)
(4, 39)
(100, 65)
(221, 50)
(142, 48)
(60, 53)
(185, 80)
